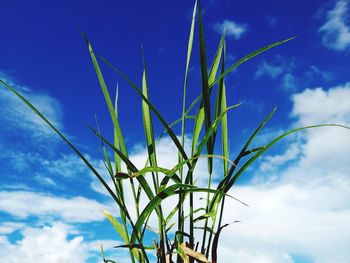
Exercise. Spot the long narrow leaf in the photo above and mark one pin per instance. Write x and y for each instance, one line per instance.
(159, 116)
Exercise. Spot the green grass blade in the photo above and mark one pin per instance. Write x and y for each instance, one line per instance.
(155, 111)
(205, 85)
(107, 97)
(212, 128)
(183, 117)
(117, 226)
(189, 54)
(220, 106)
(116, 137)
(198, 124)
(148, 127)
(216, 61)
(215, 243)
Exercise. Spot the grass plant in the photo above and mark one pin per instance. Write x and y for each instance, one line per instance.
(176, 239)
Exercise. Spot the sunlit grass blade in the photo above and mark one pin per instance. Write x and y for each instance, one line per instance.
(188, 60)
(200, 115)
(115, 134)
(107, 97)
(216, 62)
(148, 127)
(117, 226)
(183, 117)
(220, 106)
(205, 86)
(155, 111)
(122, 231)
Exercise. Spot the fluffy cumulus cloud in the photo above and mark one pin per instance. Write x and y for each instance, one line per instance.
(231, 28)
(300, 210)
(54, 243)
(335, 32)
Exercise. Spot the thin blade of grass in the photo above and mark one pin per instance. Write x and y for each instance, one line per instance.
(215, 244)
(117, 226)
(116, 137)
(107, 97)
(205, 85)
(189, 54)
(155, 111)
(148, 126)
(184, 102)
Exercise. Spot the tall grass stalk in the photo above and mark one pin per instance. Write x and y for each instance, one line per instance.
(175, 231)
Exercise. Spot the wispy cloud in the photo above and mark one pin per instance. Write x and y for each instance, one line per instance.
(43, 206)
(15, 115)
(231, 28)
(269, 69)
(335, 32)
(281, 68)
(285, 70)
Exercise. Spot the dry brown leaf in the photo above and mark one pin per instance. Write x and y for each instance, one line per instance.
(194, 254)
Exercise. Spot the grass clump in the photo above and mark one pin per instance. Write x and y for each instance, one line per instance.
(176, 239)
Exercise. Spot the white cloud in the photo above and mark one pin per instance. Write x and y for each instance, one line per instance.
(268, 69)
(336, 31)
(9, 227)
(231, 28)
(52, 244)
(305, 210)
(68, 165)
(24, 204)
(321, 106)
(14, 114)
(274, 162)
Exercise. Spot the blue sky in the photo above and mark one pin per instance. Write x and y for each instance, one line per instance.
(298, 193)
